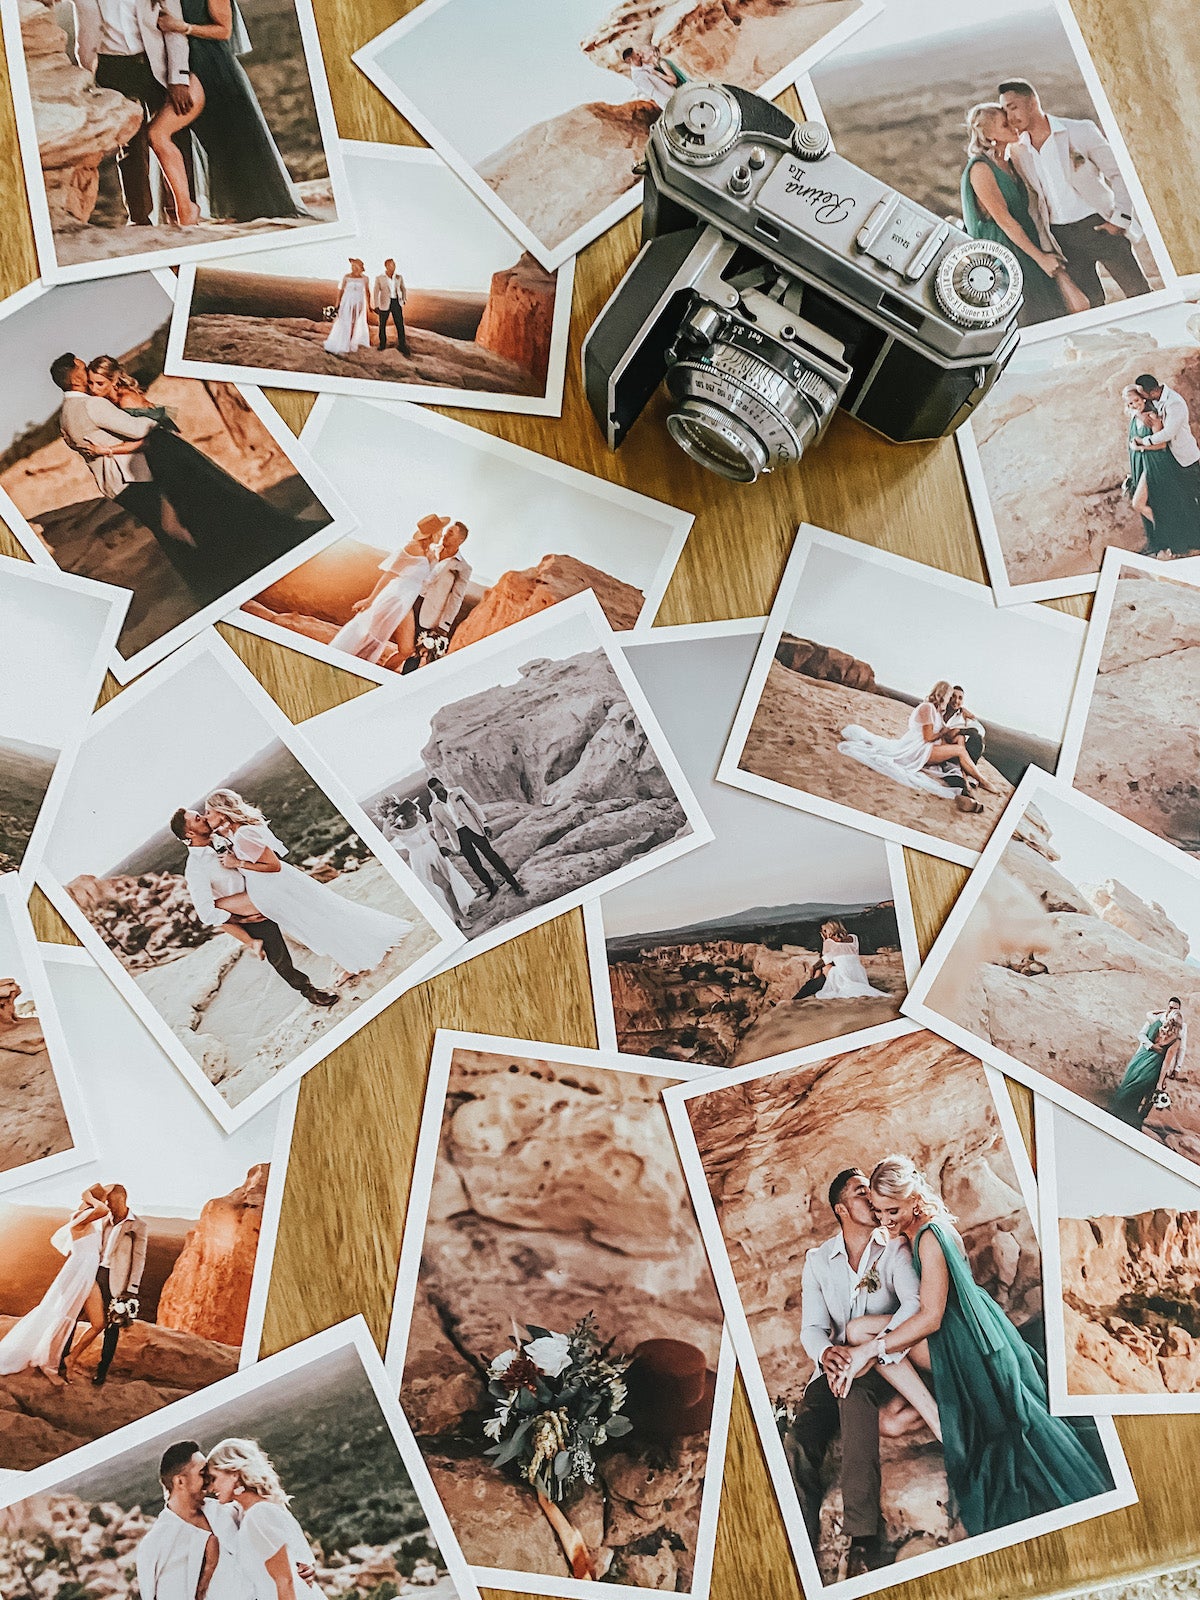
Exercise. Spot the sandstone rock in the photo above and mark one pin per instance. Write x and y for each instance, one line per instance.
(556, 577)
(208, 1292)
(823, 662)
(1034, 830)
(219, 291)
(33, 1123)
(518, 320)
(1146, 922)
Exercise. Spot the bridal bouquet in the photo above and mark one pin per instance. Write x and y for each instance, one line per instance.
(559, 1397)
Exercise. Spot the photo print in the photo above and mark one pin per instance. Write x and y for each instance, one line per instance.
(466, 535)
(1067, 962)
(1128, 742)
(495, 88)
(1118, 467)
(57, 635)
(520, 779)
(899, 699)
(430, 298)
(249, 912)
(44, 1125)
(144, 146)
(141, 1277)
(795, 931)
(996, 117)
(551, 1259)
(815, 1184)
(1122, 1251)
(302, 1467)
(189, 494)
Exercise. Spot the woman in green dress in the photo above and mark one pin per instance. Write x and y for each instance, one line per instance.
(1161, 491)
(995, 206)
(1158, 1055)
(1006, 1457)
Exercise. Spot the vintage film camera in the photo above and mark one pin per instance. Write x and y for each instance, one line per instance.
(777, 281)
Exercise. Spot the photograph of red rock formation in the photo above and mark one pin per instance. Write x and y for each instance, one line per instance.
(249, 954)
(1048, 515)
(520, 778)
(802, 1167)
(1129, 743)
(336, 1479)
(200, 1198)
(171, 488)
(1069, 963)
(469, 535)
(554, 1194)
(111, 191)
(729, 965)
(544, 106)
(1121, 1286)
(897, 97)
(900, 699)
(476, 322)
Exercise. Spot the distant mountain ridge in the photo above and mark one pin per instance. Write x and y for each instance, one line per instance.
(770, 925)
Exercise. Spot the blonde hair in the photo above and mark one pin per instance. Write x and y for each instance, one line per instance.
(229, 804)
(1137, 406)
(252, 1464)
(899, 1178)
(937, 695)
(833, 929)
(977, 144)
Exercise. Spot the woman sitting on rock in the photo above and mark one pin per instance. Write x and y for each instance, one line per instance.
(922, 747)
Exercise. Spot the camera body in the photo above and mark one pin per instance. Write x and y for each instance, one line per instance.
(777, 281)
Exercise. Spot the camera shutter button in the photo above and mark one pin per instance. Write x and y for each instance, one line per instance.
(811, 141)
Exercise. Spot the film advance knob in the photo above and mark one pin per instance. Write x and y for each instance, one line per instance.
(811, 141)
(978, 283)
(701, 123)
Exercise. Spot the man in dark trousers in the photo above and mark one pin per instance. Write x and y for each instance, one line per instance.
(388, 297)
(123, 1242)
(459, 828)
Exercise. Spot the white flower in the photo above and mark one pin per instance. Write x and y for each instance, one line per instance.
(550, 1355)
(502, 1363)
(493, 1428)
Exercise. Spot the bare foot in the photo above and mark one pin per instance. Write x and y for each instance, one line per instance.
(55, 1379)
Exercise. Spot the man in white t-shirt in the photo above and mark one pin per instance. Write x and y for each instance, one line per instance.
(190, 1552)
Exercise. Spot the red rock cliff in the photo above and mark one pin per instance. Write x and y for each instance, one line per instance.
(208, 1292)
(523, 594)
(519, 317)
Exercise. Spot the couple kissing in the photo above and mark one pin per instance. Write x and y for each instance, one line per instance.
(901, 1338)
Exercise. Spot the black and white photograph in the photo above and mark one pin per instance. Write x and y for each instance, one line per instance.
(495, 86)
(249, 912)
(1119, 468)
(1122, 1261)
(994, 115)
(430, 298)
(1068, 962)
(162, 131)
(465, 536)
(521, 780)
(867, 1208)
(894, 697)
(296, 1478)
(189, 494)
(137, 1279)
(57, 635)
(789, 929)
(44, 1125)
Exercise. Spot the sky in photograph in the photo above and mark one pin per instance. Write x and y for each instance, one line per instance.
(515, 514)
(1100, 1177)
(92, 319)
(194, 728)
(152, 1133)
(418, 213)
(485, 70)
(1017, 666)
(763, 854)
(1166, 326)
(378, 738)
(48, 641)
(12, 961)
(905, 23)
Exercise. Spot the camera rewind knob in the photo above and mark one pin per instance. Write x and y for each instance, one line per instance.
(701, 123)
(978, 283)
(811, 141)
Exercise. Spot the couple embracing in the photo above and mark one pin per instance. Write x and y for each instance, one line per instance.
(901, 1336)
(225, 1531)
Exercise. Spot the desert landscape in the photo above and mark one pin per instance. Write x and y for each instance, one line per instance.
(27, 770)
(1062, 976)
(723, 993)
(770, 1147)
(497, 341)
(1139, 752)
(812, 692)
(193, 1305)
(558, 1192)
(33, 1124)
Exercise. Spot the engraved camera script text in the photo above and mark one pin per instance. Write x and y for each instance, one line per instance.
(827, 207)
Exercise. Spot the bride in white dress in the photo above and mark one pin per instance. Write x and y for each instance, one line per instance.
(271, 1547)
(355, 937)
(386, 615)
(847, 979)
(40, 1338)
(411, 838)
(907, 759)
(350, 330)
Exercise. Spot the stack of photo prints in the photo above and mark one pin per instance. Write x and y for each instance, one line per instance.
(794, 1151)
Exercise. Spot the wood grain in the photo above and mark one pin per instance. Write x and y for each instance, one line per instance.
(355, 1134)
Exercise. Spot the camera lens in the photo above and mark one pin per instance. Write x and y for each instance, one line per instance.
(711, 437)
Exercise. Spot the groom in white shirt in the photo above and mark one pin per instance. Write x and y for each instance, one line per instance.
(858, 1272)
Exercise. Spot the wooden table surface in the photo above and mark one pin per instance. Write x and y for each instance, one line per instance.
(351, 1161)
